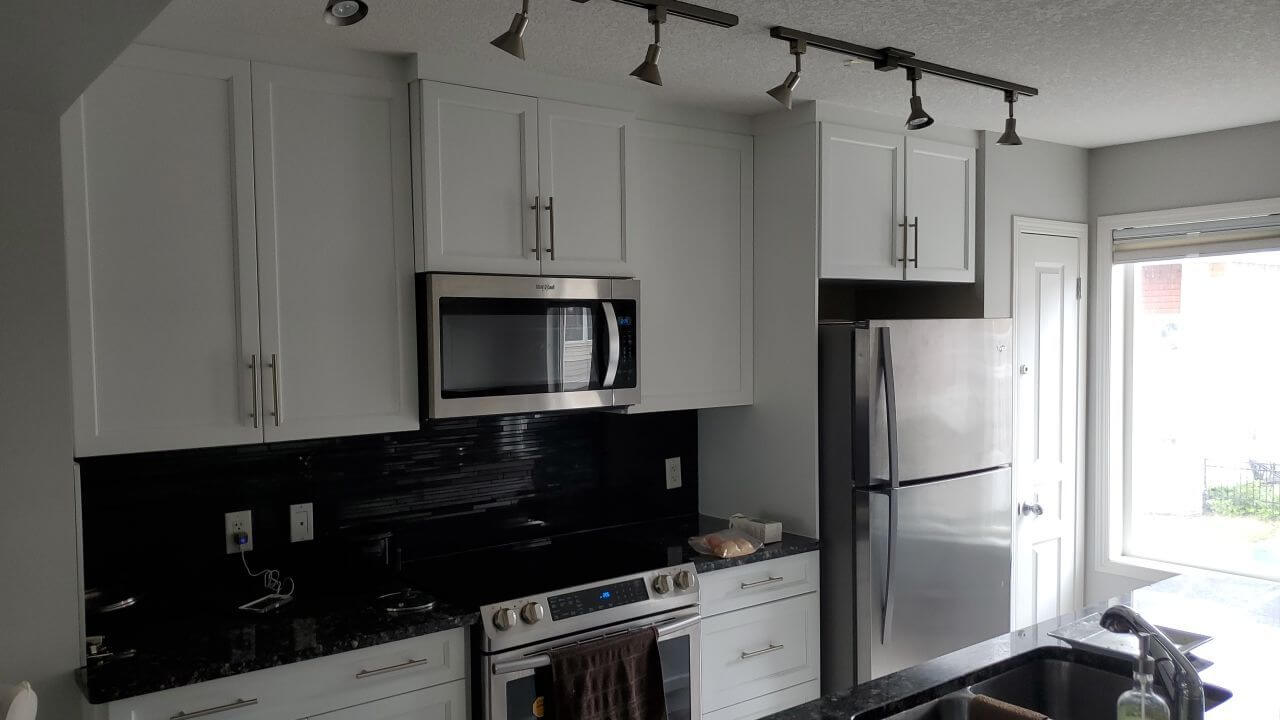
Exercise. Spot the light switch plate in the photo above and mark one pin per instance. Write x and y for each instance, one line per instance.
(673, 473)
(234, 522)
(300, 522)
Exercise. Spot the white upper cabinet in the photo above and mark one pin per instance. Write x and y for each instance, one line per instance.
(895, 207)
(161, 255)
(863, 187)
(689, 194)
(516, 185)
(478, 178)
(581, 152)
(335, 254)
(941, 198)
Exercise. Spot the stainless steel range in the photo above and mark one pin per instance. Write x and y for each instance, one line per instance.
(518, 634)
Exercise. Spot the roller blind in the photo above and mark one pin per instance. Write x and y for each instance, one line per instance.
(1209, 237)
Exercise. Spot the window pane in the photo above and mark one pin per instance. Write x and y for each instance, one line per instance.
(1204, 484)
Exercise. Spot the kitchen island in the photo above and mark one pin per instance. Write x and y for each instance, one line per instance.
(1241, 614)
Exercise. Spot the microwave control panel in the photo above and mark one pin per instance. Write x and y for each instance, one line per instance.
(627, 342)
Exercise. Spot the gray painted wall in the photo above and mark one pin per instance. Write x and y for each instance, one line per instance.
(1037, 179)
(51, 51)
(1204, 169)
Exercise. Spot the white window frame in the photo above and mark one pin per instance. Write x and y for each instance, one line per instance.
(1106, 516)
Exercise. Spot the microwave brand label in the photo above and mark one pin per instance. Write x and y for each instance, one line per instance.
(545, 286)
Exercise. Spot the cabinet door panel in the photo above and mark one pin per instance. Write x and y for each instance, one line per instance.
(862, 204)
(478, 175)
(581, 156)
(690, 198)
(941, 199)
(336, 254)
(443, 702)
(158, 178)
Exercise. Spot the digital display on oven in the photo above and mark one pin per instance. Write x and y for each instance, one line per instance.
(601, 597)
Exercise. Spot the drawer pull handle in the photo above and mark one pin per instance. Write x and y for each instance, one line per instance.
(219, 709)
(391, 668)
(767, 581)
(755, 653)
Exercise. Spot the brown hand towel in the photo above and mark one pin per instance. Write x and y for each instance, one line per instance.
(989, 708)
(616, 678)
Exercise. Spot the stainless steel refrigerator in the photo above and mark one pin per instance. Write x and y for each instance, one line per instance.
(916, 514)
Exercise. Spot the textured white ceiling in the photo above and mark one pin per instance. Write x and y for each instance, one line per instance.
(1109, 71)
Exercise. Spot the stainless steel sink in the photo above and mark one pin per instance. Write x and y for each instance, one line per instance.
(1063, 689)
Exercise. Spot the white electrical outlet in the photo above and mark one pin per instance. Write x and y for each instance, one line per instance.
(300, 523)
(241, 521)
(673, 473)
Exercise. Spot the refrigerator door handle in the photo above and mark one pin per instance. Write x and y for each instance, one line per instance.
(891, 427)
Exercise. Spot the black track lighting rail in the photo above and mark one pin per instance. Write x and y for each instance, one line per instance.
(686, 10)
(892, 59)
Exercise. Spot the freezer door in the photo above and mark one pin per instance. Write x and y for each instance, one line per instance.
(954, 387)
(950, 577)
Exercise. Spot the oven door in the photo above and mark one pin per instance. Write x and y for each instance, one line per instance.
(516, 683)
(508, 344)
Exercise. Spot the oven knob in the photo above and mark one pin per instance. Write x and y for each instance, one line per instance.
(662, 584)
(532, 612)
(685, 580)
(504, 619)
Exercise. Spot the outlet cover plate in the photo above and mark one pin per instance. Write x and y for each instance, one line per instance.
(673, 473)
(301, 519)
(239, 521)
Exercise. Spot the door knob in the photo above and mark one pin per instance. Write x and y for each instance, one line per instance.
(1023, 369)
(1032, 509)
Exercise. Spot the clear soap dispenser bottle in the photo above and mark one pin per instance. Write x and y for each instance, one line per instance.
(1142, 703)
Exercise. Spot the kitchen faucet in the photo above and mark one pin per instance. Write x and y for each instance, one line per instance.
(1181, 681)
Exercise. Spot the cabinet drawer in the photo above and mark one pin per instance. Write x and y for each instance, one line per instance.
(767, 704)
(762, 582)
(759, 650)
(312, 686)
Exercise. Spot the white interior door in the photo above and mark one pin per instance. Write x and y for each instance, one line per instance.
(863, 185)
(581, 159)
(941, 202)
(161, 255)
(1048, 333)
(335, 245)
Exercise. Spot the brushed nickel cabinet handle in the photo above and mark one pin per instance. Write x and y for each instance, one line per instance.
(753, 653)
(275, 387)
(392, 668)
(904, 227)
(551, 243)
(536, 207)
(253, 376)
(767, 581)
(915, 261)
(214, 710)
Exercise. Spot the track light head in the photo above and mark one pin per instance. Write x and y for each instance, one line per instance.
(342, 13)
(1010, 136)
(511, 42)
(648, 70)
(918, 119)
(782, 93)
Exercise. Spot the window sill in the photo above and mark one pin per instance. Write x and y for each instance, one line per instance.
(1141, 568)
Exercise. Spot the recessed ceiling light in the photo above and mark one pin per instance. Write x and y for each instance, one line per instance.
(345, 12)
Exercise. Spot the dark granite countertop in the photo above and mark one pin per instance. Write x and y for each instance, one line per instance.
(1242, 615)
(211, 640)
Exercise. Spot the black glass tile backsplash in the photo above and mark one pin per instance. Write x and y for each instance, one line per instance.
(455, 485)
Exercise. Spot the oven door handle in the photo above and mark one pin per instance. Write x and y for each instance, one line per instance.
(615, 344)
(543, 659)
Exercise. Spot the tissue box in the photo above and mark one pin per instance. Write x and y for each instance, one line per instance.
(766, 531)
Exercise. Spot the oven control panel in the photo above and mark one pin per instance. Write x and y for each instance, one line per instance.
(516, 622)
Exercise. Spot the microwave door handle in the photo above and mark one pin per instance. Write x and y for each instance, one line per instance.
(615, 344)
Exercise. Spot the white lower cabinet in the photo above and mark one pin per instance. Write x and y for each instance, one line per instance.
(763, 656)
(443, 702)
(423, 678)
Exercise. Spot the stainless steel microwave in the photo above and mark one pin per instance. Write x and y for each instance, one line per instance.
(495, 344)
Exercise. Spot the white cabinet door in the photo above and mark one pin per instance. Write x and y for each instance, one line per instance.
(161, 256)
(581, 155)
(860, 230)
(689, 220)
(442, 702)
(759, 650)
(940, 203)
(335, 254)
(477, 169)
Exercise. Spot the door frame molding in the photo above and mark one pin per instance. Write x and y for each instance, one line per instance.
(1080, 232)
